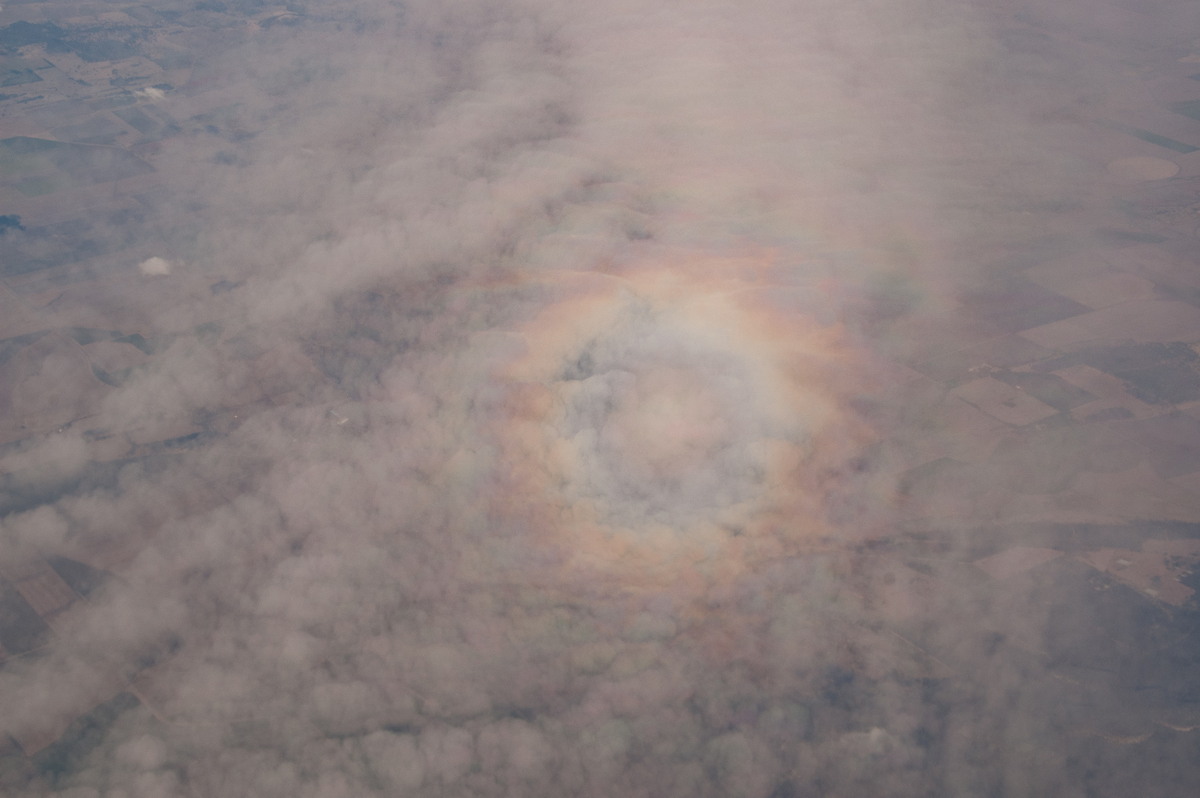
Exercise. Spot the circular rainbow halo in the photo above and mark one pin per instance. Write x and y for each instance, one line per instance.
(672, 420)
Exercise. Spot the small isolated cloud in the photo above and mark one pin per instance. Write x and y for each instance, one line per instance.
(155, 266)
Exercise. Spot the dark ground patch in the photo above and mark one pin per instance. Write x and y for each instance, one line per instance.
(81, 577)
(83, 737)
(21, 629)
(1015, 303)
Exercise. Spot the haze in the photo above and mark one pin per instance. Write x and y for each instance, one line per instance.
(532, 398)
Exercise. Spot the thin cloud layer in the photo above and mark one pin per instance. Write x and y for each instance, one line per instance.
(525, 407)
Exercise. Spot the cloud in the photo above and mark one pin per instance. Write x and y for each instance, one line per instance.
(545, 408)
(155, 266)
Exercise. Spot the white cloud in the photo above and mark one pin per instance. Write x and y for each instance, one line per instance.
(155, 266)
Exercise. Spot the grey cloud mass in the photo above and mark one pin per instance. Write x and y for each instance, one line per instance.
(524, 398)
